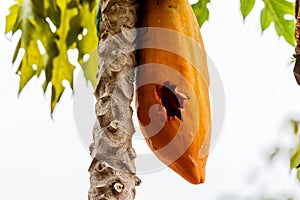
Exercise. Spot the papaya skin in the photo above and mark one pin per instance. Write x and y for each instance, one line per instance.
(175, 91)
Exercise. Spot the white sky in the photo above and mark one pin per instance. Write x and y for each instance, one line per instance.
(44, 159)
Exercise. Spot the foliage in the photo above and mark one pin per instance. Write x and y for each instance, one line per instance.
(246, 6)
(279, 12)
(295, 124)
(49, 29)
(295, 158)
(201, 11)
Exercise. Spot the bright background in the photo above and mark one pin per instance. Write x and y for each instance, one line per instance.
(44, 159)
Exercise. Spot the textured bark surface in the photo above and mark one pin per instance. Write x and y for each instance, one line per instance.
(112, 172)
(297, 36)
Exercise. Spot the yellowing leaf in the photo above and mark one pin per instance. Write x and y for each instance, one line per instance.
(295, 159)
(49, 23)
(295, 124)
(84, 35)
(12, 18)
(90, 68)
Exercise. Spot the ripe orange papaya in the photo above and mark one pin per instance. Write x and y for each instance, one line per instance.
(172, 88)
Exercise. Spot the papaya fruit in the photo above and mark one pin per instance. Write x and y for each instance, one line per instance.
(172, 87)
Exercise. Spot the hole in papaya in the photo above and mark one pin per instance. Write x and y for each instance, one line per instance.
(171, 99)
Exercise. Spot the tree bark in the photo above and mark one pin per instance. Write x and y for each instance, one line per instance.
(297, 36)
(112, 171)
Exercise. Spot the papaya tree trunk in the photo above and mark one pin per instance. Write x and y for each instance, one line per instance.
(112, 171)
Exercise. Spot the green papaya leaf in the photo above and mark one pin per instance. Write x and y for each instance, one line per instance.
(246, 6)
(201, 11)
(276, 11)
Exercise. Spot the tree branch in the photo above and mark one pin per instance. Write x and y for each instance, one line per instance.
(297, 36)
(112, 172)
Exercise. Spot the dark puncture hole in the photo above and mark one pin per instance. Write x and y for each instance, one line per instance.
(171, 100)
